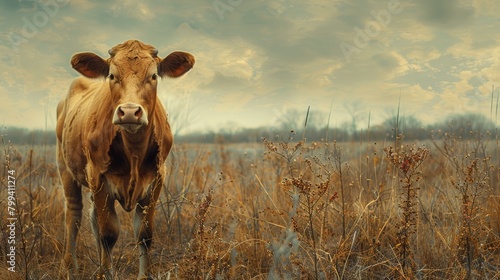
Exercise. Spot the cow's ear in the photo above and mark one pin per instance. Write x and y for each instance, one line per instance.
(176, 64)
(90, 65)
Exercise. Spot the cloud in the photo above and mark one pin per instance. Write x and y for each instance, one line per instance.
(233, 101)
(264, 55)
(418, 33)
(446, 13)
(133, 9)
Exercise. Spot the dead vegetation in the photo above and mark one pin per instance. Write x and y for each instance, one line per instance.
(285, 209)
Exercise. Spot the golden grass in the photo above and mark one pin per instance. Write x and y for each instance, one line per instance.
(283, 209)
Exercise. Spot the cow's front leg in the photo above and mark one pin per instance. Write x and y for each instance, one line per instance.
(143, 229)
(106, 227)
(73, 216)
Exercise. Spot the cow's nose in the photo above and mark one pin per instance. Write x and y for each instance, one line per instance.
(130, 114)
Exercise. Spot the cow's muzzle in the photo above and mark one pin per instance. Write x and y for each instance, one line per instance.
(130, 117)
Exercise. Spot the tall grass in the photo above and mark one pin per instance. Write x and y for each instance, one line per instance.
(287, 209)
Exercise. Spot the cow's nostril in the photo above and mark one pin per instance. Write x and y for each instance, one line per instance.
(120, 112)
(138, 113)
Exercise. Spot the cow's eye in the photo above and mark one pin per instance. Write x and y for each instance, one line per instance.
(154, 77)
(111, 76)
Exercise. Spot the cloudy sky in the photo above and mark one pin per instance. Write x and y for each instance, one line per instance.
(257, 60)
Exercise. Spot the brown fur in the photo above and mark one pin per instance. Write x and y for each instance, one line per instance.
(114, 163)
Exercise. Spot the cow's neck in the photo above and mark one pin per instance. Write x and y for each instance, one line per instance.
(135, 145)
(135, 148)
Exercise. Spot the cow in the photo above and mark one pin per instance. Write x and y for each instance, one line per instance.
(113, 137)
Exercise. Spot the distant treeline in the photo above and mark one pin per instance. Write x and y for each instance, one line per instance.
(24, 136)
(464, 126)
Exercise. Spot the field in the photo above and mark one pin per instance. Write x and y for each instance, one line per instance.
(283, 209)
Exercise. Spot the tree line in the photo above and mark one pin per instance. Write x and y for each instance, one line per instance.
(464, 126)
(461, 125)
(25, 136)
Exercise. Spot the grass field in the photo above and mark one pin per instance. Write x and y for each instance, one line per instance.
(283, 209)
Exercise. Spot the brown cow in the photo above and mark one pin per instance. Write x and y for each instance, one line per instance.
(113, 137)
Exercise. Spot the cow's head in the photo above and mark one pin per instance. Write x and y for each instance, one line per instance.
(132, 72)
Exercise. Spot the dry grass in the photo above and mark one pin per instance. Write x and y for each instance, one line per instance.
(284, 209)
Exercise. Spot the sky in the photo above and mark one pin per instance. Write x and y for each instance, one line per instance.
(257, 61)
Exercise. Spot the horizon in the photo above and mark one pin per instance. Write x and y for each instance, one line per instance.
(297, 125)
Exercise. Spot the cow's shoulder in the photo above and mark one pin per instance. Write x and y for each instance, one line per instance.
(162, 132)
(83, 86)
(77, 89)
